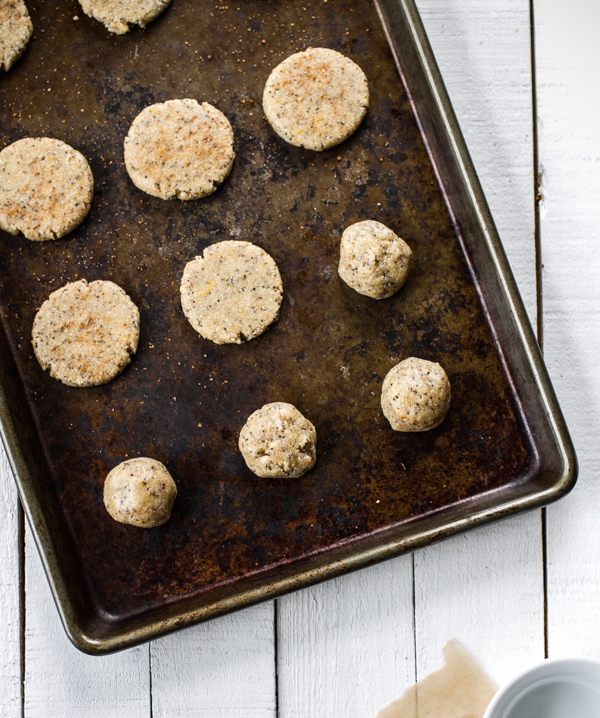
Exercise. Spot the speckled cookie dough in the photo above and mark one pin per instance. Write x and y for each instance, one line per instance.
(415, 395)
(119, 15)
(15, 31)
(316, 98)
(278, 442)
(373, 260)
(232, 293)
(140, 492)
(85, 333)
(179, 149)
(46, 188)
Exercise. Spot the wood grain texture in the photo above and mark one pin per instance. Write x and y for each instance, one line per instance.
(486, 588)
(10, 660)
(568, 57)
(61, 681)
(345, 648)
(221, 669)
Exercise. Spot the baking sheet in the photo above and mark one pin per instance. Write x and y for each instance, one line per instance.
(234, 539)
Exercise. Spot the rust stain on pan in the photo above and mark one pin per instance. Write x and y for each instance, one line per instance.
(183, 400)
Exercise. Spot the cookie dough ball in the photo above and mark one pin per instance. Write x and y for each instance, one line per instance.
(373, 260)
(415, 395)
(118, 15)
(140, 492)
(46, 188)
(85, 333)
(232, 293)
(316, 98)
(15, 31)
(277, 442)
(179, 149)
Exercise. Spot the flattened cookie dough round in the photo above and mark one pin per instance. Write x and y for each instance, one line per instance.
(232, 293)
(140, 492)
(179, 149)
(373, 260)
(15, 31)
(46, 188)
(85, 333)
(278, 442)
(415, 395)
(316, 98)
(119, 15)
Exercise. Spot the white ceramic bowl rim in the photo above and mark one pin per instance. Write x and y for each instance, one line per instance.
(558, 670)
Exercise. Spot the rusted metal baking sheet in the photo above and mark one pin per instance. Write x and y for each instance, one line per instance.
(235, 539)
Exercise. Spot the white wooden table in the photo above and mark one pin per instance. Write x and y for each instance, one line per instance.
(509, 593)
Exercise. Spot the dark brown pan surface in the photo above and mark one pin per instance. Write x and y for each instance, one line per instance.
(183, 400)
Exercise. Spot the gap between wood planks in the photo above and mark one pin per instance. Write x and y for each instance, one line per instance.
(537, 198)
(22, 612)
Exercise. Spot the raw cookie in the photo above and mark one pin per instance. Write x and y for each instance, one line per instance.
(118, 15)
(373, 260)
(232, 293)
(278, 442)
(316, 98)
(140, 492)
(415, 395)
(15, 31)
(46, 188)
(85, 333)
(179, 148)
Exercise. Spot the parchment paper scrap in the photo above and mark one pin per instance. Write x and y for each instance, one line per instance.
(460, 689)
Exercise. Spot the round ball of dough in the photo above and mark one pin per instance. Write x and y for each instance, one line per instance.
(373, 260)
(46, 188)
(316, 98)
(15, 31)
(179, 149)
(85, 333)
(278, 442)
(415, 395)
(140, 492)
(232, 293)
(118, 15)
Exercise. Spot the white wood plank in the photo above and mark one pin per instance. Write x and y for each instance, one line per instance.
(10, 654)
(485, 588)
(221, 669)
(60, 680)
(346, 647)
(568, 57)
